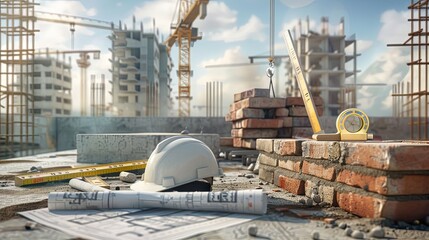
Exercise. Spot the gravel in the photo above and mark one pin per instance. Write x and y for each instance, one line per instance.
(377, 232)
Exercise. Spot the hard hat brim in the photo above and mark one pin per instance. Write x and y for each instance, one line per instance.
(143, 186)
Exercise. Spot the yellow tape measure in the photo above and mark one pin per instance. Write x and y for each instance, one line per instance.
(69, 173)
(352, 124)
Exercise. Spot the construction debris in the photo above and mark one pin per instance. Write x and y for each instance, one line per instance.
(127, 177)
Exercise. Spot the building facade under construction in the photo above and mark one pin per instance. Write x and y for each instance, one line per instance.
(141, 82)
(52, 87)
(329, 65)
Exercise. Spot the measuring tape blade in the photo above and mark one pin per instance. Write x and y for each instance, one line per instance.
(303, 88)
(69, 173)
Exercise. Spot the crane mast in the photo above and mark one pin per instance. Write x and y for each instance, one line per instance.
(184, 34)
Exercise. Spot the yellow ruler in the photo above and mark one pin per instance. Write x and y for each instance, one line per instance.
(97, 181)
(352, 124)
(303, 88)
(69, 173)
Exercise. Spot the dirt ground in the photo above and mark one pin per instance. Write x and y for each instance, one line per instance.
(283, 209)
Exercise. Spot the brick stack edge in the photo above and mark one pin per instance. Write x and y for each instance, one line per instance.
(368, 179)
(254, 115)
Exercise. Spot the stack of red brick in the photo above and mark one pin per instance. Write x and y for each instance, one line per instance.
(369, 179)
(296, 122)
(255, 115)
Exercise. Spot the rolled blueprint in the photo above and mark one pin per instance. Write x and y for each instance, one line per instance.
(85, 187)
(242, 201)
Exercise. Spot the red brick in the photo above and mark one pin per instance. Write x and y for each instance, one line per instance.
(228, 117)
(254, 133)
(301, 122)
(287, 121)
(259, 102)
(248, 143)
(388, 155)
(401, 185)
(328, 194)
(315, 149)
(236, 142)
(291, 165)
(284, 133)
(243, 113)
(305, 132)
(259, 123)
(373, 207)
(282, 112)
(267, 160)
(225, 141)
(288, 147)
(297, 101)
(302, 112)
(265, 145)
(317, 170)
(255, 92)
(292, 185)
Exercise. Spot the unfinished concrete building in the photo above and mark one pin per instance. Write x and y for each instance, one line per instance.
(51, 87)
(328, 62)
(140, 74)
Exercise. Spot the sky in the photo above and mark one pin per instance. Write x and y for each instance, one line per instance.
(236, 29)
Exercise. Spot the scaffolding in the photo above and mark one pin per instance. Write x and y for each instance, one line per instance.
(98, 106)
(410, 99)
(16, 78)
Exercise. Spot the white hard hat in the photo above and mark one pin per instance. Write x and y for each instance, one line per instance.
(176, 161)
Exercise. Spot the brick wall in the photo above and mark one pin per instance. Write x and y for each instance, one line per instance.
(370, 179)
(254, 115)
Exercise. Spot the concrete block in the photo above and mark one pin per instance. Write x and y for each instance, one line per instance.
(265, 145)
(108, 148)
(255, 92)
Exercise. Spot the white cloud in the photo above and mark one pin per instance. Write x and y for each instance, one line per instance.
(219, 17)
(395, 27)
(363, 45)
(161, 11)
(234, 79)
(297, 3)
(251, 30)
(389, 69)
(75, 8)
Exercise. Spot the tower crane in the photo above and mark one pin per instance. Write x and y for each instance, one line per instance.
(184, 34)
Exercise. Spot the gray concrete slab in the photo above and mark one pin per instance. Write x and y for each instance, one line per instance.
(108, 148)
